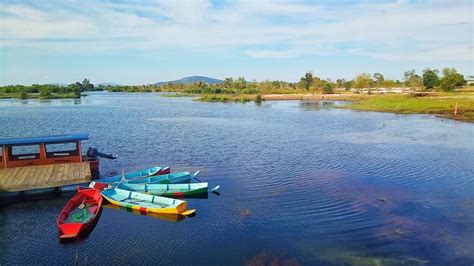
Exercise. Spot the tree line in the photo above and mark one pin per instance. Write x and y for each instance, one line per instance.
(448, 80)
(430, 79)
(48, 91)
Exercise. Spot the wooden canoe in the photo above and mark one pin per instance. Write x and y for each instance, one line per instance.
(172, 178)
(79, 213)
(145, 203)
(167, 190)
(152, 171)
(168, 217)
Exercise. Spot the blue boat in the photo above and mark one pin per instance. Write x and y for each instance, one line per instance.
(172, 178)
(167, 190)
(152, 171)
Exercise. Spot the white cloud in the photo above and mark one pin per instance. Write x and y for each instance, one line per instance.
(271, 54)
(389, 31)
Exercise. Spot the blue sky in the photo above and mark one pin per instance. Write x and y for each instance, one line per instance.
(141, 42)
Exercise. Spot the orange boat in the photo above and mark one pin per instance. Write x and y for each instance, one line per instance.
(80, 212)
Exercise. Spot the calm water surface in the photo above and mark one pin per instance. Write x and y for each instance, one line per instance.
(301, 183)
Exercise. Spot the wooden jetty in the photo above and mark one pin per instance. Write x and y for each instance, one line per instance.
(42, 162)
(44, 176)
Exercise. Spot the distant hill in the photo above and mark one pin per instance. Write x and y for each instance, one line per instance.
(107, 84)
(192, 79)
(58, 84)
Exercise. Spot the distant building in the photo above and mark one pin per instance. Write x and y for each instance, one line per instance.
(470, 80)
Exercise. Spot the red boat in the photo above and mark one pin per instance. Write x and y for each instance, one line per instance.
(79, 213)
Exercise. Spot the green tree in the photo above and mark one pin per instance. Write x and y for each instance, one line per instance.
(430, 78)
(362, 81)
(348, 85)
(227, 83)
(412, 80)
(328, 88)
(240, 83)
(388, 84)
(378, 79)
(409, 74)
(23, 95)
(77, 89)
(45, 94)
(317, 84)
(451, 79)
(87, 85)
(415, 82)
(340, 83)
(307, 80)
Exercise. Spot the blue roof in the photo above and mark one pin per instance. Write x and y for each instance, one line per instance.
(45, 139)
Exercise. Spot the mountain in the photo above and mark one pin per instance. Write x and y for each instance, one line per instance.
(107, 84)
(58, 84)
(192, 79)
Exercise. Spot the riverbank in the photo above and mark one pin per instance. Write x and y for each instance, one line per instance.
(280, 97)
(436, 103)
(38, 96)
(439, 104)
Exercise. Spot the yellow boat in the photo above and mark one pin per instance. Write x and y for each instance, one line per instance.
(145, 203)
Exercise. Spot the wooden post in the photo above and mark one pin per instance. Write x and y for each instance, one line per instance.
(78, 147)
(4, 156)
(42, 153)
(456, 109)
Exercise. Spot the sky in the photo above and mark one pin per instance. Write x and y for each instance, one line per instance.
(142, 42)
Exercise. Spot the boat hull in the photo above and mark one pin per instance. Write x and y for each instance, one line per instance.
(172, 178)
(168, 190)
(144, 203)
(152, 171)
(74, 219)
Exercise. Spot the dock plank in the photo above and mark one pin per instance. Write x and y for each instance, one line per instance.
(20, 177)
(69, 172)
(59, 173)
(12, 178)
(88, 171)
(6, 176)
(42, 171)
(44, 176)
(49, 171)
(31, 177)
(82, 170)
(54, 171)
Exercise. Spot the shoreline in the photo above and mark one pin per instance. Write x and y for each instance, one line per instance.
(316, 97)
(457, 105)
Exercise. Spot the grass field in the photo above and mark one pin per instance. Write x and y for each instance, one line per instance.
(227, 98)
(441, 104)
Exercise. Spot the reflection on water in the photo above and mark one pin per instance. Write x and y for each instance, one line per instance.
(301, 182)
(316, 105)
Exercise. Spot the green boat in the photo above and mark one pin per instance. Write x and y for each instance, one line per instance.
(173, 178)
(168, 190)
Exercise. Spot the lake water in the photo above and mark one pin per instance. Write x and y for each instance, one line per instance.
(301, 183)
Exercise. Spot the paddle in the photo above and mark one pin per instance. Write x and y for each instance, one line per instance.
(194, 176)
(82, 205)
(215, 188)
(121, 180)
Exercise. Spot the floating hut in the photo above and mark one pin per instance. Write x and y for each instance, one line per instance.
(44, 162)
